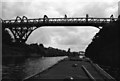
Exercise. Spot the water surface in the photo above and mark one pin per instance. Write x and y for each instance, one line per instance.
(32, 67)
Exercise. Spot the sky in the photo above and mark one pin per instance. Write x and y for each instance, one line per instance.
(63, 37)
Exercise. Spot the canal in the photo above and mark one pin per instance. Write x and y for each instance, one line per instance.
(32, 67)
(29, 68)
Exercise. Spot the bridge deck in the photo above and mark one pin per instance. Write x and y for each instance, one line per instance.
(82, 21)
(75, 68)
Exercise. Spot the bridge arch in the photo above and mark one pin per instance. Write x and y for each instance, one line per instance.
(22, 27)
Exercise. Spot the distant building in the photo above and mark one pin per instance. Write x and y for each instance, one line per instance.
(81, 52)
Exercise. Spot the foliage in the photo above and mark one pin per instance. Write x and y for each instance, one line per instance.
(6, 37)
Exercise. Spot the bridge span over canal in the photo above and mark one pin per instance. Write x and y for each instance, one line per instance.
(22, 27)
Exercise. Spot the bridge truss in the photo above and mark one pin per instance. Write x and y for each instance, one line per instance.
(22, 27)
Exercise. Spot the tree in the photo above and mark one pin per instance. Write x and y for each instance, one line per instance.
(6, 37)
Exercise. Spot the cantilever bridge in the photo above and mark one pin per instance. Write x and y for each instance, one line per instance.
(21, 28)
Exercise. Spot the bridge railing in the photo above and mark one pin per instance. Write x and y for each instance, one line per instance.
(60, 20)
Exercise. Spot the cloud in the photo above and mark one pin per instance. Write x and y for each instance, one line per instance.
(64, 37)
(40, 35)
(57, 8)
(13, 9)
(97, 9)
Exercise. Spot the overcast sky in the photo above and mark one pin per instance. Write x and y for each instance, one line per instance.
(76, 37)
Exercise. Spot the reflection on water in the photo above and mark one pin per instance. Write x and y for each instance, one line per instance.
(32, 67)
(81, 56)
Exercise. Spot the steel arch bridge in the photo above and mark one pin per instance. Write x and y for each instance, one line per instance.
(22, 27)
